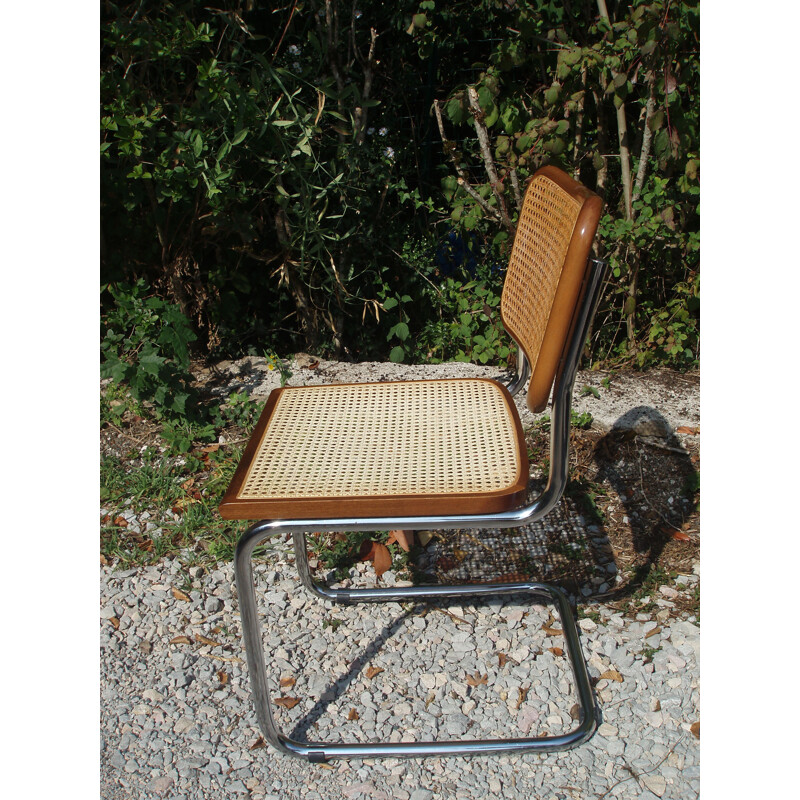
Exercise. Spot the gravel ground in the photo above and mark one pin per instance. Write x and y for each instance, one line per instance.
(176, 718)
(175, 711)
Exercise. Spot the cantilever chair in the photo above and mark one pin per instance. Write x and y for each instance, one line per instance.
(432, 454)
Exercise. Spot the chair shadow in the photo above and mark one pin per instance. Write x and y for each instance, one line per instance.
(336, 690)
(339, 687)
(638, 471)
(635, 483)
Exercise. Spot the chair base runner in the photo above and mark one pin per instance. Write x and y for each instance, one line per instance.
(320, 752)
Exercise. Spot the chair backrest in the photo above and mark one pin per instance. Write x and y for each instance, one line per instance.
(548, 263)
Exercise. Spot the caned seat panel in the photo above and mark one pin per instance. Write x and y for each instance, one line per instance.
(548, 262)
(399, 448)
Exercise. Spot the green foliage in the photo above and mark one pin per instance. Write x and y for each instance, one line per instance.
(581, 421)
(180, 495)
(467, 326)
(265, 169)
(145, 346)
(239, 410)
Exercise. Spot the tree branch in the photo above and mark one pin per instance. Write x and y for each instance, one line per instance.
(491, 171)
(647, 139)
(462, 175)
(622, 131)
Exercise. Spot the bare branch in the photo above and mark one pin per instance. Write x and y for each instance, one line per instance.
(462, 175)
(515, 186)
(360, 116)
(483, 141)
(647, 140)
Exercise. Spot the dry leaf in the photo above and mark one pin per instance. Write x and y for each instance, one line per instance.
(121, 522)
(180, 640)
(353, 714)
(286, 702)
(445, 563)
(258, 743)
(652, 632)
(477, 679)
(404, 538)
(575, 711)
(378, 554)
(551, 631)
(523, 696)
(695, 729)
(179, 595)
(681, 536)
(424, 537)
(612, 675)
(222, 676)
(104, 561)
(373, 671)
(556, 651)
(502, 658)
(287, 683)
(115, 622)
(687, 429)
(203, 640)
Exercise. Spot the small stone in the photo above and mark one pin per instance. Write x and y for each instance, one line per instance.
(587, 625)
(428, 681)
(607, 730)
(655, 783)
(161, 784)
(213, 605)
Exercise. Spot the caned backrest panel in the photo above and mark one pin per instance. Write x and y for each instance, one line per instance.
(547, 266)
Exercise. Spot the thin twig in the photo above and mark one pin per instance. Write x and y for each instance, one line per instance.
(638, 775)
(515, 186)
(127, 436)
(286, 28)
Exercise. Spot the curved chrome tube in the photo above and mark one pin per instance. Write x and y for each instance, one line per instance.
(523, 371)
(321, 752)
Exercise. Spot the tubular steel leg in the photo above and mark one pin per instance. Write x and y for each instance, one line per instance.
(320, 751)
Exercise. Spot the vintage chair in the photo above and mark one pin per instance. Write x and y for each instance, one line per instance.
(433, 454)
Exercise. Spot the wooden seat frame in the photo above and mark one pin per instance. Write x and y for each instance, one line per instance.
(578, 303)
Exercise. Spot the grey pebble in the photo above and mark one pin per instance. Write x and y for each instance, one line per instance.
(171, 728)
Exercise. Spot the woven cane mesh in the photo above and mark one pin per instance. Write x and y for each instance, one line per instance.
(540, 247)
(403, 438)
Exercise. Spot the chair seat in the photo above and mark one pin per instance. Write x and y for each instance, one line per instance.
(401, 448)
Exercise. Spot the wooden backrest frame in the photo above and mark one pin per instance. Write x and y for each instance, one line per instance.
(547, 267)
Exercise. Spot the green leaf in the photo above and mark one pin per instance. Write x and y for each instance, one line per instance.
(389, 303)
(239, 138)
(401, 331)
(151, 363)
(397, 354)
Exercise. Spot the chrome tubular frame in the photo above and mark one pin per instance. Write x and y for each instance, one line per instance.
(556, 482)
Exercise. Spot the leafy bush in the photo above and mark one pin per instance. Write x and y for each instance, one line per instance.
(264, 170)
(145, 346)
